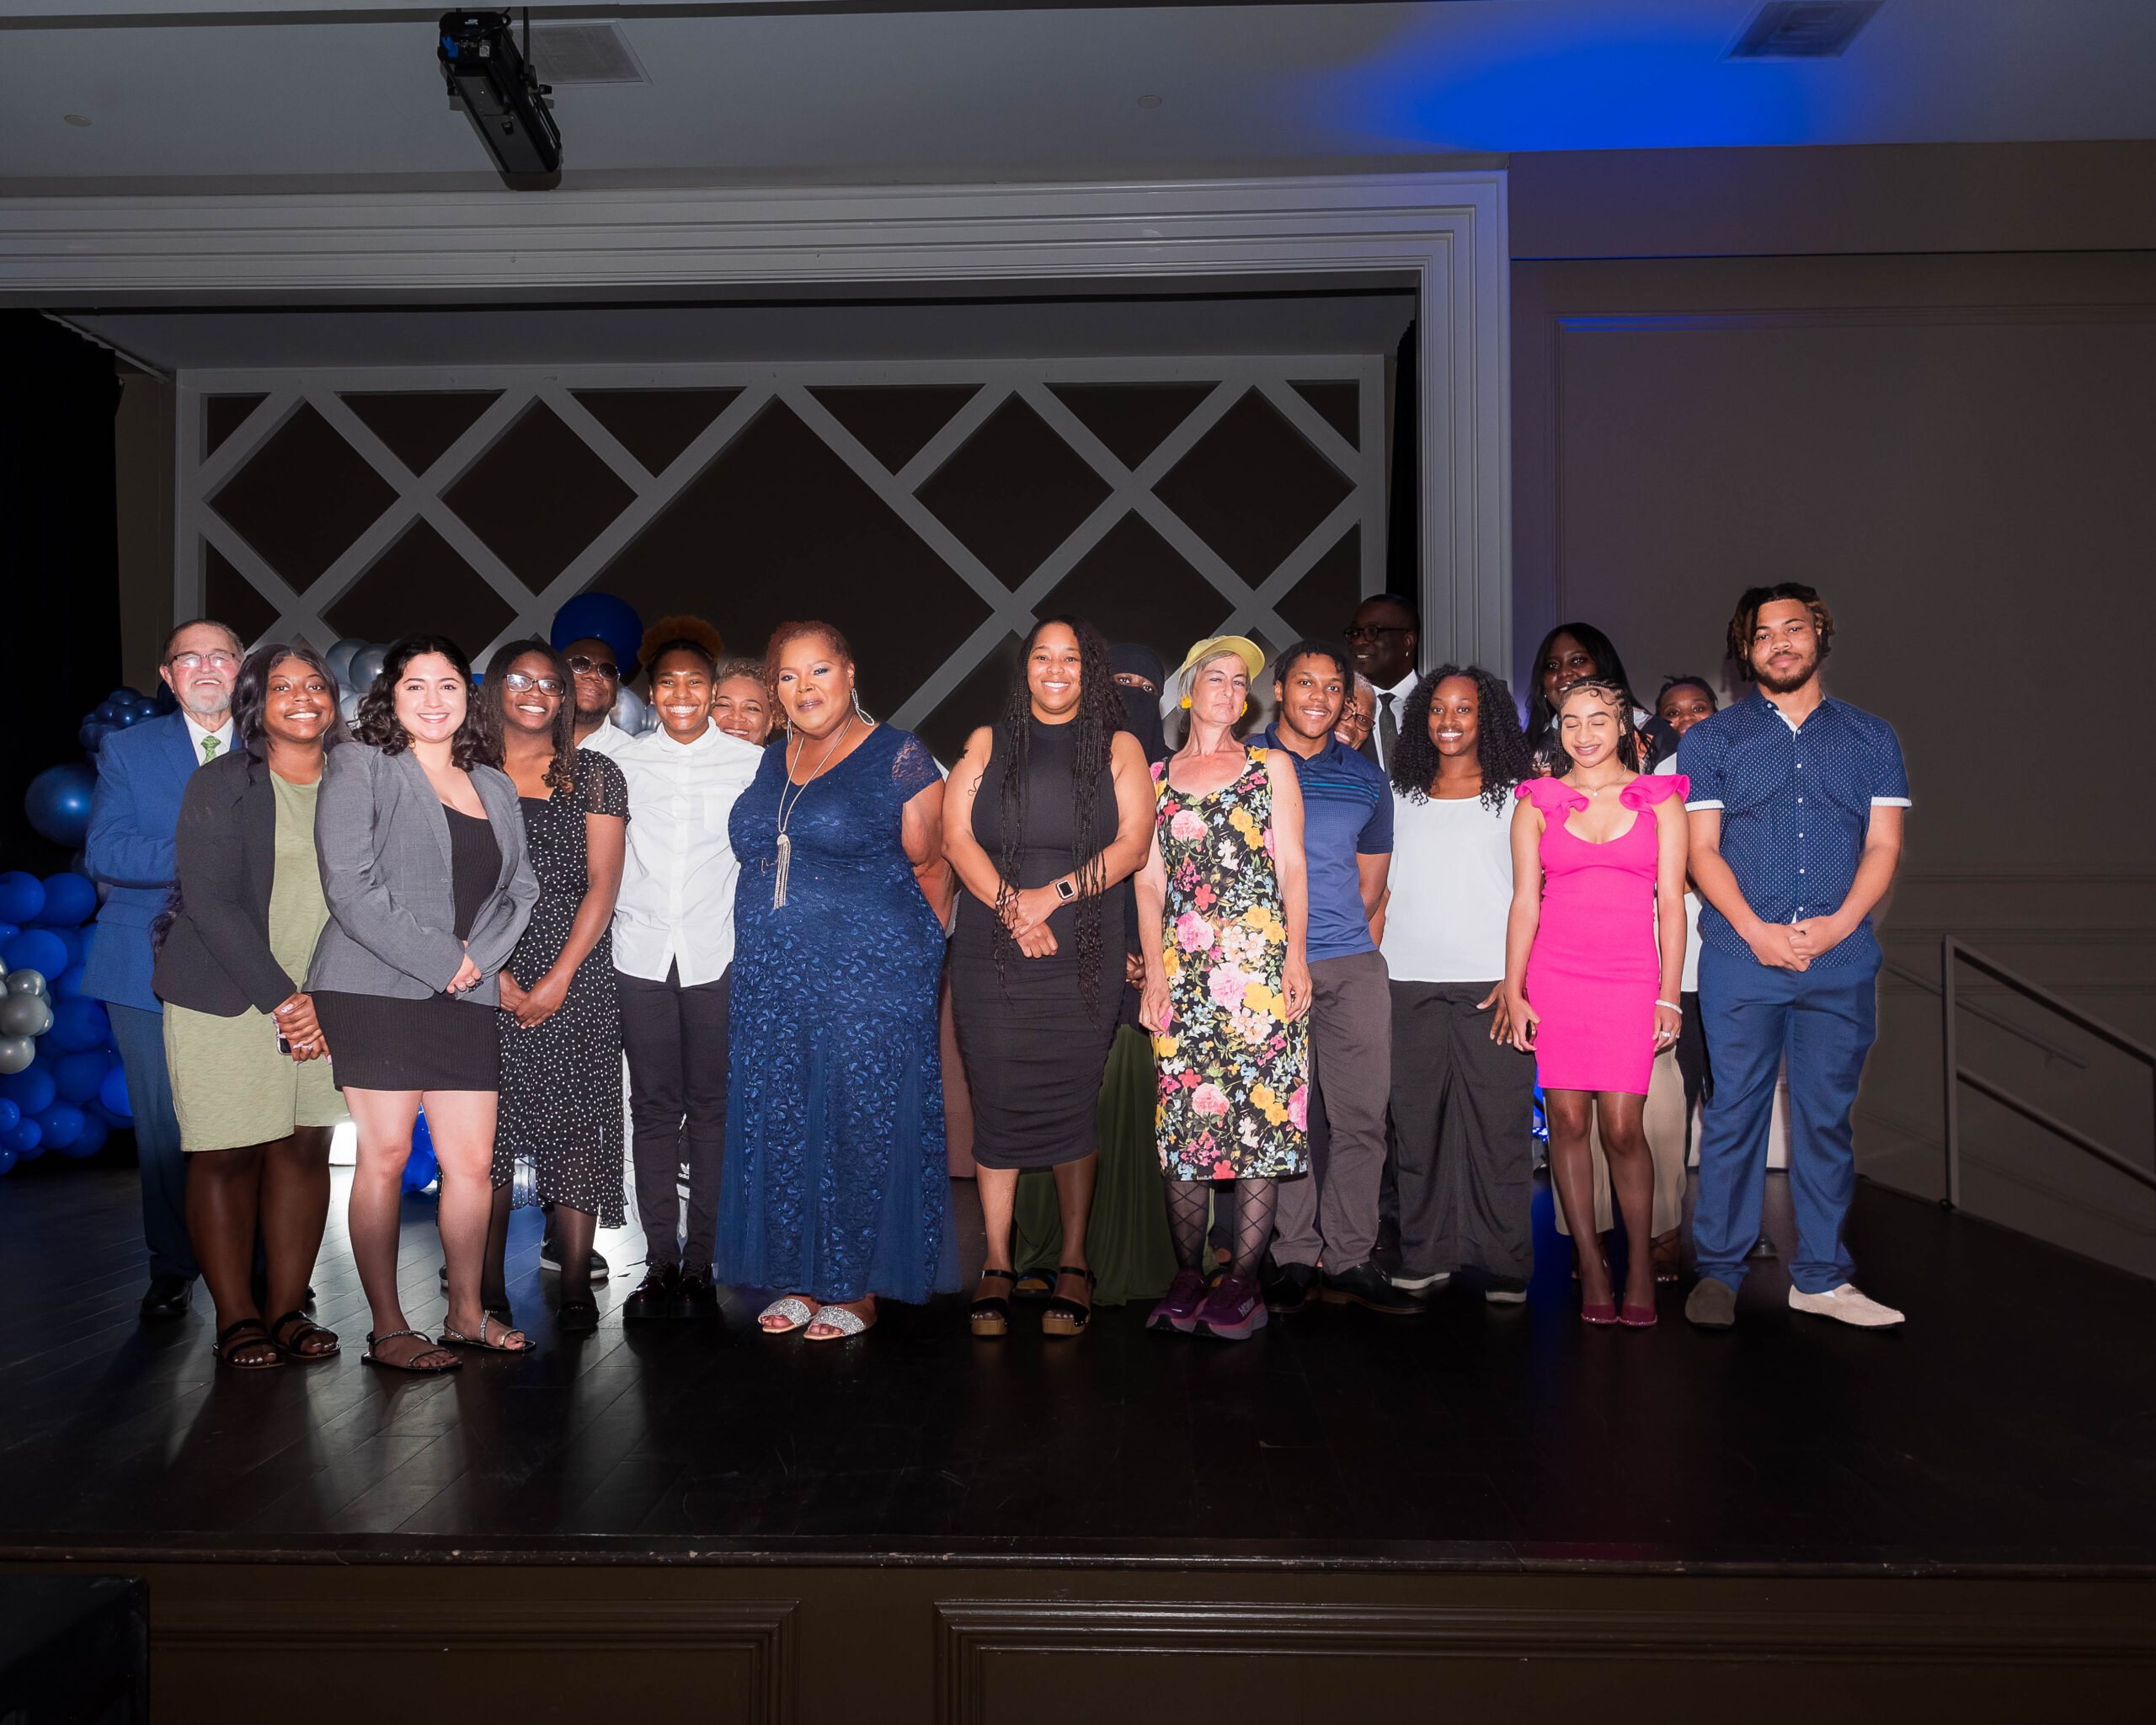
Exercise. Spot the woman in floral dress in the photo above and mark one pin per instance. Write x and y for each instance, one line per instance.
(1221, 910)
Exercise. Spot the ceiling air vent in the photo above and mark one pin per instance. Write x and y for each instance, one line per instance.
(1803, 30)
(584, 54)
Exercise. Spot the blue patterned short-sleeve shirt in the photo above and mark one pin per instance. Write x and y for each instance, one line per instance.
(1796, 804)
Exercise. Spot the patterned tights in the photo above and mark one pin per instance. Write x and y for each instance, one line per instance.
(1186, 1220)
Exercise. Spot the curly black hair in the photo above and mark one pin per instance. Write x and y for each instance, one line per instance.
(1746, 619)
(251, 694)
(1100, 716)
(1628, 733)
(561, 774)
(475, 743)
(1500, 749)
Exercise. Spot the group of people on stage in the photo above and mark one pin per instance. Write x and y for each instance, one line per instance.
(1352, 939)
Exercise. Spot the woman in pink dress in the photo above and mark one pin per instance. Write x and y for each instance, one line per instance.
(1594, 953)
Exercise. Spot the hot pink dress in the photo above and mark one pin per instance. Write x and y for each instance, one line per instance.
(1595, 968)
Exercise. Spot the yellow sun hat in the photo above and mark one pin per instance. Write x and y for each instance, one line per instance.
(1248, 650)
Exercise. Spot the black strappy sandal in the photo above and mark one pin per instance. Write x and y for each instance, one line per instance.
(991, 1317)
(307, 1331)
(372, 1358)
(1064, 1317)
(248, 1332)
(1034, 1286)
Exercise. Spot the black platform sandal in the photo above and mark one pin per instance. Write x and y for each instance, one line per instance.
(247, 1332)
(1064, 1317)
(295, 1330)
(991, 1317)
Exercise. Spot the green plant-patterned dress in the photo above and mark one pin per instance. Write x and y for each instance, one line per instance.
(1234, 1076)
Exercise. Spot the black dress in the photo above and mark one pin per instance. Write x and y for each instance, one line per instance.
(443, 1042)
(1033, 1051)
(561, 1102)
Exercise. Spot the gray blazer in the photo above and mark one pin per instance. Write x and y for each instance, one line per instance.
(382, 842)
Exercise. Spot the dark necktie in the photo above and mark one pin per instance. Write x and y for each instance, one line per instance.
(1388, 730)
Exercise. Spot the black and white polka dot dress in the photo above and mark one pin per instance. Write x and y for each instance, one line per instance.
(561, 1094)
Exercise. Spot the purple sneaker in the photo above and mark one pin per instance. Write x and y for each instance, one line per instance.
(1234, 1312)
(1178, 1311)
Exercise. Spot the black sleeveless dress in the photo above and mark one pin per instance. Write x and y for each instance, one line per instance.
(1033, 1052)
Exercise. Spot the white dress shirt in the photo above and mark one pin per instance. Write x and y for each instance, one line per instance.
(1398, 691)
(610, 739)
(195, 734)
(676, 903)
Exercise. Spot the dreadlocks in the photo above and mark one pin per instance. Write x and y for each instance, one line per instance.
(1500, 750)
(1099, 717)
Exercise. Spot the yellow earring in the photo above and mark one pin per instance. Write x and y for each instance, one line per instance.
(1244, 709)
(1186, 700)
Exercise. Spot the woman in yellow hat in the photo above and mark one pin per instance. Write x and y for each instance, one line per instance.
(1222, 907)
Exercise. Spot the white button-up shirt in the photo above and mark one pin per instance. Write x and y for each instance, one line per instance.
(676, 903)
(611, 740)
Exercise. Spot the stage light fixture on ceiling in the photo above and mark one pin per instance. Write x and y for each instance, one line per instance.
(495, 84)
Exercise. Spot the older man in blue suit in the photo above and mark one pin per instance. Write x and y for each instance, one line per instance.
(142, 774)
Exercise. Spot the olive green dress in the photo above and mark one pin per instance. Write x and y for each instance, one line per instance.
(230, 1086)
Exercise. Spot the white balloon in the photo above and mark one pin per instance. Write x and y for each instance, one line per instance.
(16, 1053)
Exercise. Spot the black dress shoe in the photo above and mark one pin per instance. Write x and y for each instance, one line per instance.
(1287, 1287)
(659, 1295)
(577, 1317)
(1362, 1285)
(699, 1293)
(169, 1296)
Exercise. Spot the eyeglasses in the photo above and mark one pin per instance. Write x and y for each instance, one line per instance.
(1371, 631)
(584, 667)
(519, 684)
(189, 662)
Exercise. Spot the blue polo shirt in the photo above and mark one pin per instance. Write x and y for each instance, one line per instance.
(1795, 807)
(1347, 813)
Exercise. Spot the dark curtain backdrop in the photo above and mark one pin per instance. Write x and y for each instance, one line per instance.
(1403, 538)
(58, 556)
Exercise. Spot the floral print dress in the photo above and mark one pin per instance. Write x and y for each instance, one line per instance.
(1234, 1076)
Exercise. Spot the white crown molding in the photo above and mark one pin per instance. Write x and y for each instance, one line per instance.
(1448, 229)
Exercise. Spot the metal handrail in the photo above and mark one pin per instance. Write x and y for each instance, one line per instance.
(1952, 952)
(2052, 1050)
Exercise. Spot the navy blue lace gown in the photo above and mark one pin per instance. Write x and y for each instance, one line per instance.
(836, 1182)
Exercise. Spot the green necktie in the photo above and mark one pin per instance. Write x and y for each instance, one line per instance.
(209, 750)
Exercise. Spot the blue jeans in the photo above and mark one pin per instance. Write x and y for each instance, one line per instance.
(140, 1036)
(1824, 1022)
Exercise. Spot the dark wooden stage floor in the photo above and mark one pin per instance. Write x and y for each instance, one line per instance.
(2010, 1428)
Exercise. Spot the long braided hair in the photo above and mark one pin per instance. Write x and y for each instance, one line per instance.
(1099, 718)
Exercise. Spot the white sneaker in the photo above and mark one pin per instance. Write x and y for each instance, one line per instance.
(1416, 1284)
(1846, 1305)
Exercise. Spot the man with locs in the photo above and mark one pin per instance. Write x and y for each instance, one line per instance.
(1382, 637)
(1796, 807)
(142, 772)
(1331, 1213)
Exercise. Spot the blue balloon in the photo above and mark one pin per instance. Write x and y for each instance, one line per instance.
(9, 1113)
(603, 618)
(58, 804)
(39, 949)
(91, 1139)
(22, 897)
(59, 1126)
(164, 701)
(79, 1024)
(6, 1162)
(69, 899)
(7, 932)
(91, 737)
(31, 1089)
(112, 1092)
(420, 1168)
(66, 986)
(105, 713)
(124, 694)
(80, 1075)
(22, 1138)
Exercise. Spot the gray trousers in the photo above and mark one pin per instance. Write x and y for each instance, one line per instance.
(1462, 1123)
(675, 1038)
(1331, 1214)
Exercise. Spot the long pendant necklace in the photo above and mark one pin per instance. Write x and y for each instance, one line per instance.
(785, 810)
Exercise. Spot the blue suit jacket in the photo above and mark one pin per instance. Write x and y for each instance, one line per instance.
(142, 773)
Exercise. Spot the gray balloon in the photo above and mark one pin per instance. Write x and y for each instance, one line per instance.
(28, 982)
(24, 1015)
(632, 714)
(366, 666)
(339, 657)
(348, 706)
(16, 1053)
